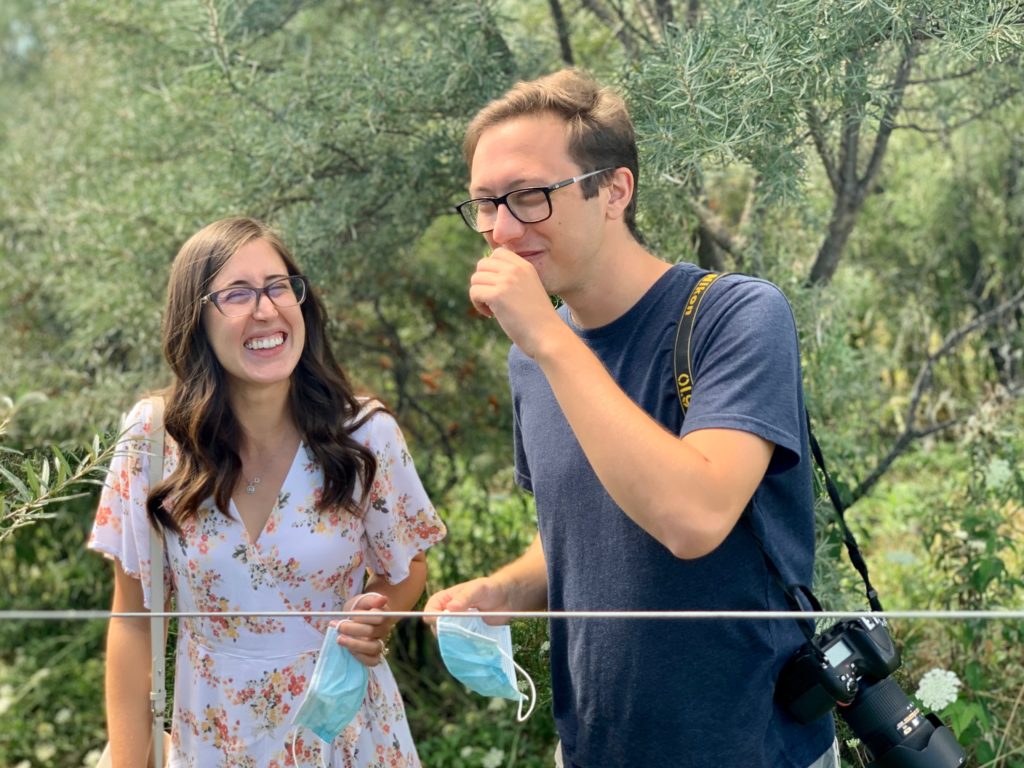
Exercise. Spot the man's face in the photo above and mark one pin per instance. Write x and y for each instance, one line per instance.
(532, 152)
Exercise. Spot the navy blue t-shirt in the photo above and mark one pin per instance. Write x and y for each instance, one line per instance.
(664, 692)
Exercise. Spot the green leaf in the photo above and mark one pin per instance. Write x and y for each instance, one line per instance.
(23, 492)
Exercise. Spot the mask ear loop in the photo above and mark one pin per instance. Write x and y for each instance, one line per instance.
(323, 744)
(533, 689)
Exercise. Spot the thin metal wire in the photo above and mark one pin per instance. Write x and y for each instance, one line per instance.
(996, 615)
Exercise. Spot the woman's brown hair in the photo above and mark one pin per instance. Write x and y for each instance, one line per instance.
(198, 415)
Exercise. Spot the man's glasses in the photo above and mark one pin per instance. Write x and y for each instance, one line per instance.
(241, 300)
(529, 205)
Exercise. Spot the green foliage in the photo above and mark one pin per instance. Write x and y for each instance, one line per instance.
(51, 672)
(26, 492)
(341, 124)
(456, 727)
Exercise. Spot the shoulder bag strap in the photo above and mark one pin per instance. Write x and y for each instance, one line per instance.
(684, 331)
(684, 388)
(157, 638)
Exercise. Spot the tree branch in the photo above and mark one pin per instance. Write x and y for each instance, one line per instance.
(817, 132)
(692, 13)
(712, 223)
(886, 124)
(979, 114)
(562, 29)
(664, 12)
(717, 229)
(848, 146)
(622, 31)
(401, 374)
(944, 78)
(922, 382)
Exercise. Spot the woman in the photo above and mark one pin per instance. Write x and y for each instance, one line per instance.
(282, 491)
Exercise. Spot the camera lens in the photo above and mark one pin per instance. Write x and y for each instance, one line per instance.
(883, 717)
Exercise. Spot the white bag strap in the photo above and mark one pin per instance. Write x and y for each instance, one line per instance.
(157, 638)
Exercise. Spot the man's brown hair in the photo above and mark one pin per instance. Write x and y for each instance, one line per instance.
(600, 131)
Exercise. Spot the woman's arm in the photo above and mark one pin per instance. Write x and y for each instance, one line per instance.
(128, 671)
(366, 635)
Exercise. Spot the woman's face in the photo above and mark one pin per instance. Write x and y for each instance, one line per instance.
(263, 347)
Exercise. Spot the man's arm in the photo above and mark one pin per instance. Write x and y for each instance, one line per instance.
(522, 585)
(687, 493)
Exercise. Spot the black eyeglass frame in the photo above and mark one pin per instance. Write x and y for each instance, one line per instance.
(256, 293)
(503, 200)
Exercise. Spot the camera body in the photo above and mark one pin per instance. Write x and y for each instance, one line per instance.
(850, 665)
(826, 670)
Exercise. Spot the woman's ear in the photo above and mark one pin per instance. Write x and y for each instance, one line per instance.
(620, 192)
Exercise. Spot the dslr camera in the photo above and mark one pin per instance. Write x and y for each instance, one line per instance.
(849, 665)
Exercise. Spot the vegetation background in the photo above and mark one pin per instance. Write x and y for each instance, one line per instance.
(866, 155)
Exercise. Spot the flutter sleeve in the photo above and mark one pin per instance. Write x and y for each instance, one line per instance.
(121, 528)
(399, 521)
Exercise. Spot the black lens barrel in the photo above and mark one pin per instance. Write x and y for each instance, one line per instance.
(895, 731)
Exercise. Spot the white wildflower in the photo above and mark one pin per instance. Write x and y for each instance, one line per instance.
(496, 704)
(938, 688)
(998, 473)
(494, 758)
(63, 716)
(45, 753)
(853, 743)
(545, 647)
(466, 752)
(91, 758)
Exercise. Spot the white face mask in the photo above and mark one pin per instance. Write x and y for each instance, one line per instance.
(479, 656)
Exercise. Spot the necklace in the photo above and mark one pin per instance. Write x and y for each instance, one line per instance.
(250, 485)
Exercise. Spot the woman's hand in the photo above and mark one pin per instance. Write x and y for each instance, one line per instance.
(365, 633)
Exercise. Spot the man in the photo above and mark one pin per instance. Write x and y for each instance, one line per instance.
(637, 509)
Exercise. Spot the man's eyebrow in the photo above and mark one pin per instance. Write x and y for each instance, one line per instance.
(512, 187)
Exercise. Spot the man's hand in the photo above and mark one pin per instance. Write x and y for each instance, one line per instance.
(507, 287)
(484, 594)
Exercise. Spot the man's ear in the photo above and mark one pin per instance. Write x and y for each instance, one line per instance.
(620, 192)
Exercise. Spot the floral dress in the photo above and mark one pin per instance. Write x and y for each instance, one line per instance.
(240, 680)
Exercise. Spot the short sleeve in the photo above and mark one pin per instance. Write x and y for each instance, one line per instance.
(523, 477)
(121, 528)
(399, 520)
(746, 367)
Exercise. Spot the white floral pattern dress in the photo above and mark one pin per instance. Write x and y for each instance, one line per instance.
(240, 680)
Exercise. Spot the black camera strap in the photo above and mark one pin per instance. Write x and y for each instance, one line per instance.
(684, 389)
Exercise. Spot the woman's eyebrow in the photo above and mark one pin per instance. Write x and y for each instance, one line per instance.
(240, 282)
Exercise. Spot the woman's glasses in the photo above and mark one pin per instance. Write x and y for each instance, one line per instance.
(241, 300)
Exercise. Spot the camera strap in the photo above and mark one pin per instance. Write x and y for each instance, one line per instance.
(684, 389)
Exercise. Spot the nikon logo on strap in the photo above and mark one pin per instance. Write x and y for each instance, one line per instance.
(698, 291)
(681, 354)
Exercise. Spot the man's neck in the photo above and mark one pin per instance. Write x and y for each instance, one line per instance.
(627, 273)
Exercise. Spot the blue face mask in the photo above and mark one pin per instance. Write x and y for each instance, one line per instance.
(335, 692)
(479, 656)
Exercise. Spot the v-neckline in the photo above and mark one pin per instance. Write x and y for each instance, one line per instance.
(254, 541)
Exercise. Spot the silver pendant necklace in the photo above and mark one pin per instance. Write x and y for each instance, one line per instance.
(250, 485)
